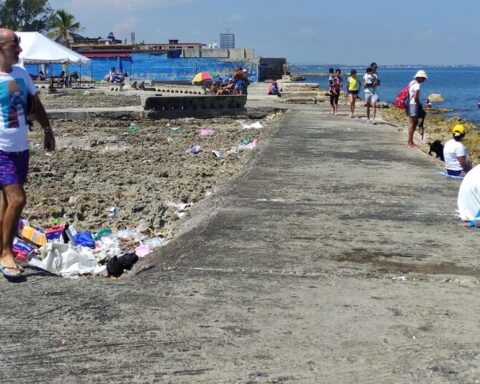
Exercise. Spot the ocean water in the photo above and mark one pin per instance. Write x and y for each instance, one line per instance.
(460, 86)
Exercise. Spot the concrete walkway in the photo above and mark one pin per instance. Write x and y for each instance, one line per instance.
(336, 258)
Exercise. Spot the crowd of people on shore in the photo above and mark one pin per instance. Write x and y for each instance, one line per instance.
(453, 153)
(370, 82)
(237, 84)
(115, 77)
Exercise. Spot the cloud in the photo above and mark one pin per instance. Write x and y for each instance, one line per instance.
(126, 5)
(126, 25)
(234, 18)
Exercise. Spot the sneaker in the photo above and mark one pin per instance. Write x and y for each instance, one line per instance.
(369, 121)
(374, 122)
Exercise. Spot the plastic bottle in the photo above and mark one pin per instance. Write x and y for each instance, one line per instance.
(154, 242)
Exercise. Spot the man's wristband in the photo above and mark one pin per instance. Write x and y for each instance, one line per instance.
(48, 130)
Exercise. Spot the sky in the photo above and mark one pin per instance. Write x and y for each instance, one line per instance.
(429, 32)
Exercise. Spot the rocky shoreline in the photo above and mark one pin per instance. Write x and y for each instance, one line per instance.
(437, 127)
(123, 174)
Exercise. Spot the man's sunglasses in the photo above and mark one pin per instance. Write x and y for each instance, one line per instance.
(15, 40)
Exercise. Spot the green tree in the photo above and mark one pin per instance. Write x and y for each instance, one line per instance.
(25, 15)
(62, 25)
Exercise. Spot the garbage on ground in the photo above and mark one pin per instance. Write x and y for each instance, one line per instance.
(117, 265)
(176, 129)
(180, 209)
(85, 239)
(206, 132)
(194, 149)
(70, 253)
(243, 147)
(22, 250)
(218, 154)
(32, 234)
(142, 250)
(112, 211)
(179, 206)
(256, 125)
(248, 146)
(67, 260)
(103, 232)
(133, 128)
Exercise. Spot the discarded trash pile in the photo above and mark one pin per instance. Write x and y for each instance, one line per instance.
(138, 179)
(64, 251)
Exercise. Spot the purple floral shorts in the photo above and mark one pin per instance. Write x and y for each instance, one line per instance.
(13, 167)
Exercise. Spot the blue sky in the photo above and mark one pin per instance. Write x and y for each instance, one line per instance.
(303, 31)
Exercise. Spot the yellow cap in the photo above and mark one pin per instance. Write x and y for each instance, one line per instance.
(458, 130)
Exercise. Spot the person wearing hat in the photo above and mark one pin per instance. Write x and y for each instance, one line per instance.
(456, 154)
(415, 110)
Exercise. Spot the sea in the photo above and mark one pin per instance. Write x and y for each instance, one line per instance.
(459, 85)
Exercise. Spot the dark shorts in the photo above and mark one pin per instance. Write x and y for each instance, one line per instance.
(353, 92)
(334, 98)
(13, 167)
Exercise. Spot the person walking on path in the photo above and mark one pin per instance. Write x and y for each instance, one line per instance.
(414, 108)
(455, 153)
(336, 84)
(353, 87)
(370, 82)
(17, 93)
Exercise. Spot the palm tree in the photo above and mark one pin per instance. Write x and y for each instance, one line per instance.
(62, 25)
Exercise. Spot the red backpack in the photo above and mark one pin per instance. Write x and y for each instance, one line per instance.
(402, 98)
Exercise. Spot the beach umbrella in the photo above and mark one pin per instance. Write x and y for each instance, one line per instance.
(201, 76)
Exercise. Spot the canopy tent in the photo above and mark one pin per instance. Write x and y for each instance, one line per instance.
(39, 49)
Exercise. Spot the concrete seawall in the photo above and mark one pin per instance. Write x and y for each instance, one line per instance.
(336, 257)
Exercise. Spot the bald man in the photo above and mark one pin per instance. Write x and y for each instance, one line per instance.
(16, 88)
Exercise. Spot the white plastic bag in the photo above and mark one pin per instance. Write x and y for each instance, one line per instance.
(67, 260)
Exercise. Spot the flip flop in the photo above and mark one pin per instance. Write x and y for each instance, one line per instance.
(5, 271)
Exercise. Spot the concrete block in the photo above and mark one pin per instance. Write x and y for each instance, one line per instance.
(193, 106)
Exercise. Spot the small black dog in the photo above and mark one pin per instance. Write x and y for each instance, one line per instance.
(437, 148)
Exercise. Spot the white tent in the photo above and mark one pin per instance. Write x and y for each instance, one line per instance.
(39, 49)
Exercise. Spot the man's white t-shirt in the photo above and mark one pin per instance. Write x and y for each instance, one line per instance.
(368, 79)
(14, 89)
(451, 150)
(414, 86)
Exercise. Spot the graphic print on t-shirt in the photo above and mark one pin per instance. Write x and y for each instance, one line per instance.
(12, 100)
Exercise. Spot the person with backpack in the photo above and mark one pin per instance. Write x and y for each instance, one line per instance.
(414, 108)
